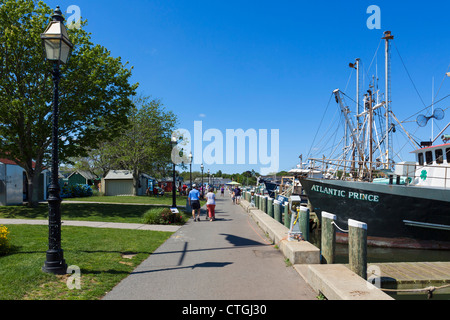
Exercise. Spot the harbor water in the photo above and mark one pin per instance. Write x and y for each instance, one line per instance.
(381, 255)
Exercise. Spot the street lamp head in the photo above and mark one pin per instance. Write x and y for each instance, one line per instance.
(173, 141)
(201, 166)
(56, 40)
(190, 156)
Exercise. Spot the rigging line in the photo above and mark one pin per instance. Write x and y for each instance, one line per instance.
(348, 96)
(436, 102)
(309, 152)
(401, 59)
(349, 78)
(374, 56)
(442, 82)
(324, 136)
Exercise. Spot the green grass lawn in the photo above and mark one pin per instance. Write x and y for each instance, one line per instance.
(84, 212)
(104, 256)
(164, 200)
(105, 212)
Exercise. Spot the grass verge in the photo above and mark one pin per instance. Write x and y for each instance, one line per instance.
(103, 261)
(122, 213)
(163, 200)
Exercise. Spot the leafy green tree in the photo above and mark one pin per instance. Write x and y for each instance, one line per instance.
(94, 91)
(144, 146)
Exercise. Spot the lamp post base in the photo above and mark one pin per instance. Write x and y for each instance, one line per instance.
(55, 262)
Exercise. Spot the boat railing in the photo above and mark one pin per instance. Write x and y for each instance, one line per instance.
(436, 174)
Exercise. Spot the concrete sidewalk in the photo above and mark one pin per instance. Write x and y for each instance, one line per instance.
(227, 259)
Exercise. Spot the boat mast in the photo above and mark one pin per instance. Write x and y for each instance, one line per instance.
(387, 37)
(370, 134)
(358, 123)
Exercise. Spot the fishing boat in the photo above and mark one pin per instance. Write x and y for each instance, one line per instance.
(270, 185)
(409, 206)
(411, 209)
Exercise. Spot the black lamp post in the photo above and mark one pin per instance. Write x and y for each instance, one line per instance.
(174, 189)
(57, 49)
(190, 169)
(203, 192)
(208, 179)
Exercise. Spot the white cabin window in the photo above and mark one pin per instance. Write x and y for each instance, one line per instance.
(439, 154)
(429, 157)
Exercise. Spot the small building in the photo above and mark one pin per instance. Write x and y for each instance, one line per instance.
(81, 177)
(120, 183)
(14, 184)
(166, 183)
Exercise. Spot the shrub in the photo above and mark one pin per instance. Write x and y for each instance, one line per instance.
(4, 241)
(75, 191)
(152, 216)
(162, 216)
(168, 217)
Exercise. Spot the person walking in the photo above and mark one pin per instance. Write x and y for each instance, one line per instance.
(222, 191)
(211, 204)
(194, 202)
(237, 194)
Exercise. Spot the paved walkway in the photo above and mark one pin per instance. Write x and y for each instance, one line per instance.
(228, 259)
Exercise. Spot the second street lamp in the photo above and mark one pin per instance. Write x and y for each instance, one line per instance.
(201, 167)
(190, 169)
(174, 189)
(57, 49)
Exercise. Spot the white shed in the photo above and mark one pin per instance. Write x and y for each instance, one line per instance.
(120, 183)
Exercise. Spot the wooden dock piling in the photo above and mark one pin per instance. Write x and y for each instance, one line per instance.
(287, 215)
(357, 247)
(270, 207)
(304, 222)
(277, 210)
(328, 238)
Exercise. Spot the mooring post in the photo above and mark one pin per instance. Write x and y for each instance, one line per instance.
(287, 216)
(270, 207)
(304, 222)
(264, 204)
(357, 247)
(328, 238)
(277, 210)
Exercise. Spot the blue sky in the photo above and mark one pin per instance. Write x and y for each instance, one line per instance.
(271, 64)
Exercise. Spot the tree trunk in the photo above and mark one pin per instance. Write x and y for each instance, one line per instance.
(33, 183)
(136, 182)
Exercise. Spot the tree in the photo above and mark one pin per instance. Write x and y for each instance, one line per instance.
(94, 92)
(144, 146)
